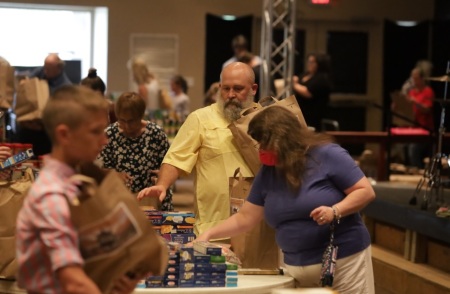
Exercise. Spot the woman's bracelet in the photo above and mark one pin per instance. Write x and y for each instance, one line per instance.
(337, 213)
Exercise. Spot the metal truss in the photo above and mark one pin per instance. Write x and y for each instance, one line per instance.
(277, 59)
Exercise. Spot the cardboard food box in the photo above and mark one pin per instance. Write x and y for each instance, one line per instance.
(183, 220)
(179, 238)
(178, 218)
(177, 229)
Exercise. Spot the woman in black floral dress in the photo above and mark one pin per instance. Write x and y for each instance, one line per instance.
(135, 147)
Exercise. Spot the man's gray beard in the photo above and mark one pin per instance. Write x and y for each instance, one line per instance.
(233, 112)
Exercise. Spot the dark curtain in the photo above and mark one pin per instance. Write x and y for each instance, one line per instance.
(441, 10)
(219, 33)
(403, 47)
(349, 57)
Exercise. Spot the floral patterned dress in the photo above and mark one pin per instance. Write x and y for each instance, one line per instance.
(137, 156)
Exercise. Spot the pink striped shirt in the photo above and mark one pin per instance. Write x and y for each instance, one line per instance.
(46, 238)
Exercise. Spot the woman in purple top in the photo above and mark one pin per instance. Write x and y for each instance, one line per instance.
(307, 182)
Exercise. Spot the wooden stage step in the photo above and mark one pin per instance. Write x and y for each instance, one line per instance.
(394, 274)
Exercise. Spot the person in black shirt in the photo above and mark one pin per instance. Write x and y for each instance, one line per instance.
(313, 89)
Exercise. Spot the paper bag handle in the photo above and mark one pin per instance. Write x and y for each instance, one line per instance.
(249, 110)
(263, 102)
(238, 172)
(90, 187)
(266, 101)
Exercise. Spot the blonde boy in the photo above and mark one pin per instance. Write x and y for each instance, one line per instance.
(47, 242)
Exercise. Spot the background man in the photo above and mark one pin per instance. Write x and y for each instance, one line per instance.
(52, 72)
(240, 48)
(32, 131)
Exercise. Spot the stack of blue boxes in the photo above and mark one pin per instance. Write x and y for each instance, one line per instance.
(170, 277)
(202, 265)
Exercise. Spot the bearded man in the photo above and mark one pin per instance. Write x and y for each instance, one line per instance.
(204, 144)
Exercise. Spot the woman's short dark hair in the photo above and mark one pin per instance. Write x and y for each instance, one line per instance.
(130, 102)
(180, 81)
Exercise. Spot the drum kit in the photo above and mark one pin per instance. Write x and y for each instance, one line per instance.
(432, 178)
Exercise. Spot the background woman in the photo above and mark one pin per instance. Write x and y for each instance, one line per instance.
(306, 182)
(422, 98)
(211, 94)
(148, 86)
(136, 147)
(96, 83)
(180, 99)
(313, 89)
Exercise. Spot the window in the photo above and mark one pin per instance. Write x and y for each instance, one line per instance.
(30, 32)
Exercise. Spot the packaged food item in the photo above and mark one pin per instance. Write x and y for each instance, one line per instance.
(17, 159)
(179, 238)
(187, 254)
(206, 247)
(141, 284)
(217, 259)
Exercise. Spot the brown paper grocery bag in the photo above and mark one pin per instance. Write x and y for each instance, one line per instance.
(115, 236)
(247, 147)
(149, 202)
(31, 98)
(245, 144)
(256, 248)
(6, 85)
(12, 194)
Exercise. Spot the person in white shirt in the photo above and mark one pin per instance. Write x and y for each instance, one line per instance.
(148, 86)
(240, 48)
(180, 99)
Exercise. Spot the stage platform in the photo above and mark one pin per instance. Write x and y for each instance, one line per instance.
(392, 206)
(419, 238)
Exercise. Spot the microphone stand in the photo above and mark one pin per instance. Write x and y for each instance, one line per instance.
(432, 174)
